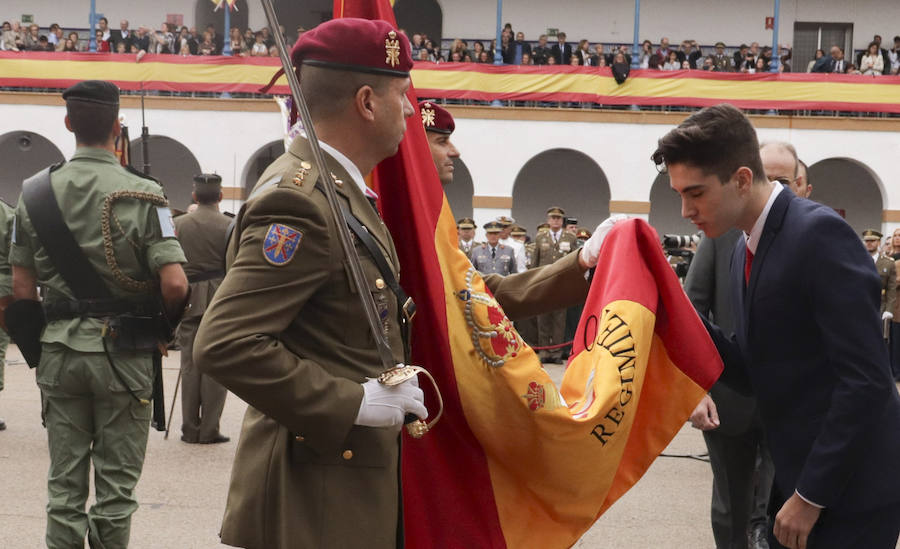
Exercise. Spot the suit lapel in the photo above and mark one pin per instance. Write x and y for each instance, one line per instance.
(770, 231)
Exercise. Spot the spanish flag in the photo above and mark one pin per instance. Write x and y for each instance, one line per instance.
(517, 461)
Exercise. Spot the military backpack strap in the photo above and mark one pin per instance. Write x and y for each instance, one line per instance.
(66, 255)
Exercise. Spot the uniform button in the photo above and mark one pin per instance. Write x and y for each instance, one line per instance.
(348, 454)
(299, 438)
(379, 283)
(306, 165)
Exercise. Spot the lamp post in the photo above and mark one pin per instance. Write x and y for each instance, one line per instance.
(635, 52)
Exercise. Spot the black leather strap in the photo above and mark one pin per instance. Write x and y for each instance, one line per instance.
(406, 304)
(66, 255)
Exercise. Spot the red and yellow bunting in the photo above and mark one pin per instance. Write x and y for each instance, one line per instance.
(470, 81)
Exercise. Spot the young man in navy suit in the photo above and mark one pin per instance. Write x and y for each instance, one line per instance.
(807, 338)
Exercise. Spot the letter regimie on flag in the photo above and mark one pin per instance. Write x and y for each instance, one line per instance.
(516, 461)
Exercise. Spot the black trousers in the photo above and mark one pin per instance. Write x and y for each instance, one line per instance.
(742, 479)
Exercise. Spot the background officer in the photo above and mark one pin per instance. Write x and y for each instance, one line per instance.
(492, 257)
(94, 399)
(202, 235)
(506, 224)
(466, 228)
(439, 125)
(885, 267)
(6, 217)
(549, 246)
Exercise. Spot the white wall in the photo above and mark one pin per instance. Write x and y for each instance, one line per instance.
(493, 150)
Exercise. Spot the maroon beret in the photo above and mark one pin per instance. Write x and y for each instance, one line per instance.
(436, 118)
(358, 45)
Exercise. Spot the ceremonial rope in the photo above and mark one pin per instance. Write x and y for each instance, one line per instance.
(122, 279)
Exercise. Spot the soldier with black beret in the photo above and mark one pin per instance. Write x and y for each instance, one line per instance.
(95, 387)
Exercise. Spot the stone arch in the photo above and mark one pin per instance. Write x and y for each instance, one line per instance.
(560, 177)
(172, 163)
(420, 16)
(258, 163)
(23, 154)
(851, 188)
(460, 192)
(665, 209)
(204, 15)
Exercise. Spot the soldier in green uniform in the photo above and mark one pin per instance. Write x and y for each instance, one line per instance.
(6, 216)
(550, 246)
(202, 235)
(466, 229)
(886, 270)
(94, 387)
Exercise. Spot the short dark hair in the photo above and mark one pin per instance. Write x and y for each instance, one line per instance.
(105, 19)
(718, 140)
(91, 122)
(327, 90)
(207, 196)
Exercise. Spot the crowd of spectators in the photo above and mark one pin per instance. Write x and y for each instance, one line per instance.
(168, 39)
(515, 50)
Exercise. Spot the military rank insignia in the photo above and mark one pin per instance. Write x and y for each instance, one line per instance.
(281, 244)
(392, 49)
(428, 115)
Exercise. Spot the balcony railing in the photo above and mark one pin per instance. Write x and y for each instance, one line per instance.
(467, 83)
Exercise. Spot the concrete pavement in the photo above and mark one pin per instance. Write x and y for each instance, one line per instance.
(183, 487)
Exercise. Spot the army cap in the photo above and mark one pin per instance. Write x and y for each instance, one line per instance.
(492, 227)
(357, 45)
(93, 91)
(556, 211)
(571, 221)
(465, 223)
(871, 234)
(543, 227)
(518, 230)
(436, 118)
(207, 181)
(504, 220)
(583, 234)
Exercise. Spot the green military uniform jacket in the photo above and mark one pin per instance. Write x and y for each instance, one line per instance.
(286, 334)
(888, 273)
(6, 217)
(203, 235)
(148, 241)
(546, 251)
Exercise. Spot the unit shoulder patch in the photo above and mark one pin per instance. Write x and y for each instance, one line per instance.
(280, 244)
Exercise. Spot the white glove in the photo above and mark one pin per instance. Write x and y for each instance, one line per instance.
(591, 249)
(384, 406)
(887, 315)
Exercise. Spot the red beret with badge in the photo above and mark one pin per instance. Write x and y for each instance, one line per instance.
(357, 45)
(436, 118)
(351, 44)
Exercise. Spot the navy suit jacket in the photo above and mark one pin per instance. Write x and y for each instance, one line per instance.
(808, 340)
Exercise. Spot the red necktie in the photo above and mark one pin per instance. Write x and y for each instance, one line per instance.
(747, 264)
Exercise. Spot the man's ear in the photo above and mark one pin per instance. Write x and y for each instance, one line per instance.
(744, 178)
(364, 101)
(117, 127)
(69, 124)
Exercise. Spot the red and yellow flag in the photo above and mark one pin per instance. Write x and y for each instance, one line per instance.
(516, 461)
